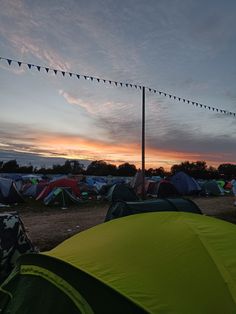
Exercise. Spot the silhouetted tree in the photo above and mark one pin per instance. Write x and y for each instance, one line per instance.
(101, 168)
(227, 170)
(126, 170)
(25, 169)
(10, 166)
(76, 167)
(156, 172)
(196, 169)
(212, 173)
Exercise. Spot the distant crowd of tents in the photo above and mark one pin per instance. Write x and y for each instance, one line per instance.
(64, 190)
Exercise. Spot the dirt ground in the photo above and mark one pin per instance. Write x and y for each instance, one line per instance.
(47, 227)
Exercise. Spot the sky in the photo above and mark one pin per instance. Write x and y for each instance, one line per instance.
(182, 47)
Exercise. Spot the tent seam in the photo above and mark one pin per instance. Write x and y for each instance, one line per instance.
(214, 259)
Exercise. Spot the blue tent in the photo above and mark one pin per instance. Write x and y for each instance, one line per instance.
(185, 184)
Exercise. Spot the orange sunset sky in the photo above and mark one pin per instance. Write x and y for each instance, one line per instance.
(169, 46)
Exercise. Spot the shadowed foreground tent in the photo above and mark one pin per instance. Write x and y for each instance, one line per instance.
(122, 209)
(165, 262)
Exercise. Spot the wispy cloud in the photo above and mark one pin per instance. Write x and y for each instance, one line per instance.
(165, 44)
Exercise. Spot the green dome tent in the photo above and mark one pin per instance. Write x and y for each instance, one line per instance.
(165, 262)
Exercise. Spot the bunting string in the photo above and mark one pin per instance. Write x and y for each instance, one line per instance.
(31, 66)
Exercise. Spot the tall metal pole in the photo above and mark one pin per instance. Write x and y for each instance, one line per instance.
(143, 142)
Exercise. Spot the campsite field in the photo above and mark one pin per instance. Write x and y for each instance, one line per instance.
(48, 227)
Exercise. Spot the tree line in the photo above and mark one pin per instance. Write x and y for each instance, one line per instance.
(198, 169)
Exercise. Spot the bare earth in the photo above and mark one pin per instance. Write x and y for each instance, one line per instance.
(47, 227)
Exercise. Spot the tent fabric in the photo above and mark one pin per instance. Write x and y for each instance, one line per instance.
(60, 197)
(168, 262)
(122, 209)
(62, 183)
(162, 189)
(14, 242)
(185, 184)
(121, 192)
(9, 193)
(136, 183)
(212, 188)
(74, 290)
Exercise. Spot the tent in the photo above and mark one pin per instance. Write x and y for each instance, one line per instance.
(60, 197)
(137, 182)
(64, 182)
(9, 193)
(211, 187)
(33, 190)
(121, 209)
(162, 189)
(149, 263)
(14, 242)
(185, 184)
(122, 192)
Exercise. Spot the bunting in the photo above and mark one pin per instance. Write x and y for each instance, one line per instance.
(30, 66)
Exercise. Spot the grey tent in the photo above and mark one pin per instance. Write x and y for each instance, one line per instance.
(122, 192)
(162, 189)
(9, 193)
(212, 188)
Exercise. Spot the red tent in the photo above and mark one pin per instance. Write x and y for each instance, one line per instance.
(62, 183)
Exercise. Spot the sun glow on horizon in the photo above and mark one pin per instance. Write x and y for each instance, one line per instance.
(75, 147)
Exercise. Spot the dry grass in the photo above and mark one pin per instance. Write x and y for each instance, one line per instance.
(48, 227)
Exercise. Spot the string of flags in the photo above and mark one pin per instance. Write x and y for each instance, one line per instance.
(31, 66)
